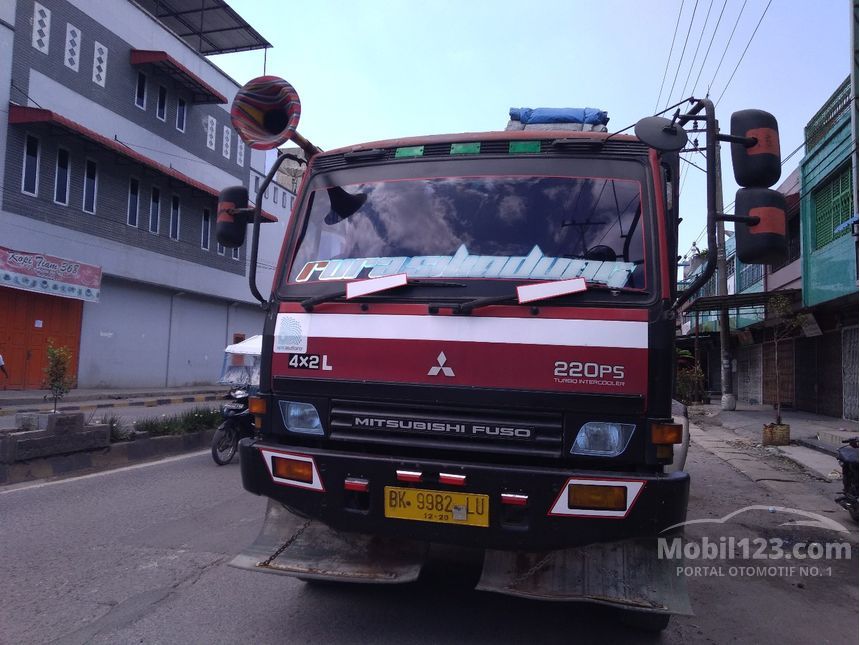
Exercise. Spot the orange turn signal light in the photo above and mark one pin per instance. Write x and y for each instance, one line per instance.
(295, 469)
(257, 405)
(666, 433)
(591, 497)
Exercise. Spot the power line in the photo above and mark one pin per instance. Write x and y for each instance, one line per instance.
(698, 44)
(669, 57)
(708, 51)
(749, 42)
(683, 50)
(728, 42)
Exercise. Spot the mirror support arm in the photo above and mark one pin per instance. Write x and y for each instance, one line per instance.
(255, 235)
(711, 135)
(739, 219)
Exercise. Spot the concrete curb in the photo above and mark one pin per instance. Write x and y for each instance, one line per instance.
(92, 407)
(115, 456)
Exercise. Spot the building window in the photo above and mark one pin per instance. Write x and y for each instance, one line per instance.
(91, 179)
(792, 226)
(154, 210)
(748, 275)
(210, 132)
(161, 106)
(226, 140)
(180, 114)
(275, 194)
(30, 175)
(235, 253)
(133, 201)
(205, 230)
(256, 186)
(832, 205)
(220, 248)
(140, 91)
(240, 151)
(100, 55)
(61, 179)
(174, 218)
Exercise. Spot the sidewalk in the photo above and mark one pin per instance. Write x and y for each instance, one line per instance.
(85, 400)
(815, 438)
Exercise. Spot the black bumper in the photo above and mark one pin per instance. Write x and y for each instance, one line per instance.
(661, 502)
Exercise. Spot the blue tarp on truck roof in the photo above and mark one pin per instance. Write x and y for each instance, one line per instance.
(528, 116)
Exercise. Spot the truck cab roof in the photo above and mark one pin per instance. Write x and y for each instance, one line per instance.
(472, 137)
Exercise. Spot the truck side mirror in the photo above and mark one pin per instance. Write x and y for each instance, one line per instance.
(230, 226)
(756, 165)
(764, 242)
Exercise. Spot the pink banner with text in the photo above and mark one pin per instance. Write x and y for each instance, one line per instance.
(48, 274)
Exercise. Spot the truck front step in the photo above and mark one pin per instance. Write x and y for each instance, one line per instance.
(621, 574)
(293, 546)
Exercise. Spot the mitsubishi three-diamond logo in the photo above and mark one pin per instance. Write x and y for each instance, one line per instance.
(447, 371)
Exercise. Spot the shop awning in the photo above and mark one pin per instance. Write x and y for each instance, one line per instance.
(208, 26)
(19, 114)
(201, 91)
(737, 300)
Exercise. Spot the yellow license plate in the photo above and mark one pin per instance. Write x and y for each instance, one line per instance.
(469, 509)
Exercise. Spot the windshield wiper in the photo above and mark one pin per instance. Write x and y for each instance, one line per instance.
(308, 304)
(468, 307)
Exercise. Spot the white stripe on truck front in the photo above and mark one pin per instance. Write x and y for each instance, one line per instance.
(293, 330)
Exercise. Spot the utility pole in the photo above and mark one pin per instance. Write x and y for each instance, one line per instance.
(727, 400)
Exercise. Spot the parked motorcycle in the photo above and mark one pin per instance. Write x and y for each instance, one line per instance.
(237, 423)
(847, 456)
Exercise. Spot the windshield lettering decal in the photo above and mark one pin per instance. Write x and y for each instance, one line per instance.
(534, 266)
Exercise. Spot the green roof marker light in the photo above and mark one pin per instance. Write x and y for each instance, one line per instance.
(465, 148)
(523, 147)
(411, 151)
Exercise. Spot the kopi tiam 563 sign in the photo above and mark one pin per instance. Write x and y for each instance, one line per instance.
(49, 274)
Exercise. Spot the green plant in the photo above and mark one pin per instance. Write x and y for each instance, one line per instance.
(784, 322)
(57, 377)
(183, 423)
(118, 430)
(689, 384)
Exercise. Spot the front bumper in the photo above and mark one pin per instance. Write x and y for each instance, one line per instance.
(658, 503)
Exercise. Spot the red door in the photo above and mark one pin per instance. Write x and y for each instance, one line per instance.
(27, 322)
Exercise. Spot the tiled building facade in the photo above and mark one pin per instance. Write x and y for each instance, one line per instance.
(116, 142)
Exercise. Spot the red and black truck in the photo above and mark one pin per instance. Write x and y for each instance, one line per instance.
(470, 341)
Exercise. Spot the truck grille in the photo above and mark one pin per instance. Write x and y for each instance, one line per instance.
(438, 427)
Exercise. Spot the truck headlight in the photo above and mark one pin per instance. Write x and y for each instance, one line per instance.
(301, 417)
(602, 439)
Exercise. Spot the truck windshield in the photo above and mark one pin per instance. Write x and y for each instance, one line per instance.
(488, 227)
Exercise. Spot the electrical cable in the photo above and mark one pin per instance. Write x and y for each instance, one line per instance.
(698, 44)
(708, 51)
(749, 42)
(669, 57)
(728, 42)
(683, 50)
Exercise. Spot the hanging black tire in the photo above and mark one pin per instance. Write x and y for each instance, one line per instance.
(225, 442)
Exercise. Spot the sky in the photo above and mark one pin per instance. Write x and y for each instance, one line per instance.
(377, 69)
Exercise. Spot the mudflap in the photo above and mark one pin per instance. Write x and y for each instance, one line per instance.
(626, 575)
(303, 548)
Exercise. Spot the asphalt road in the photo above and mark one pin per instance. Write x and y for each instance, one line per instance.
(140, 555)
